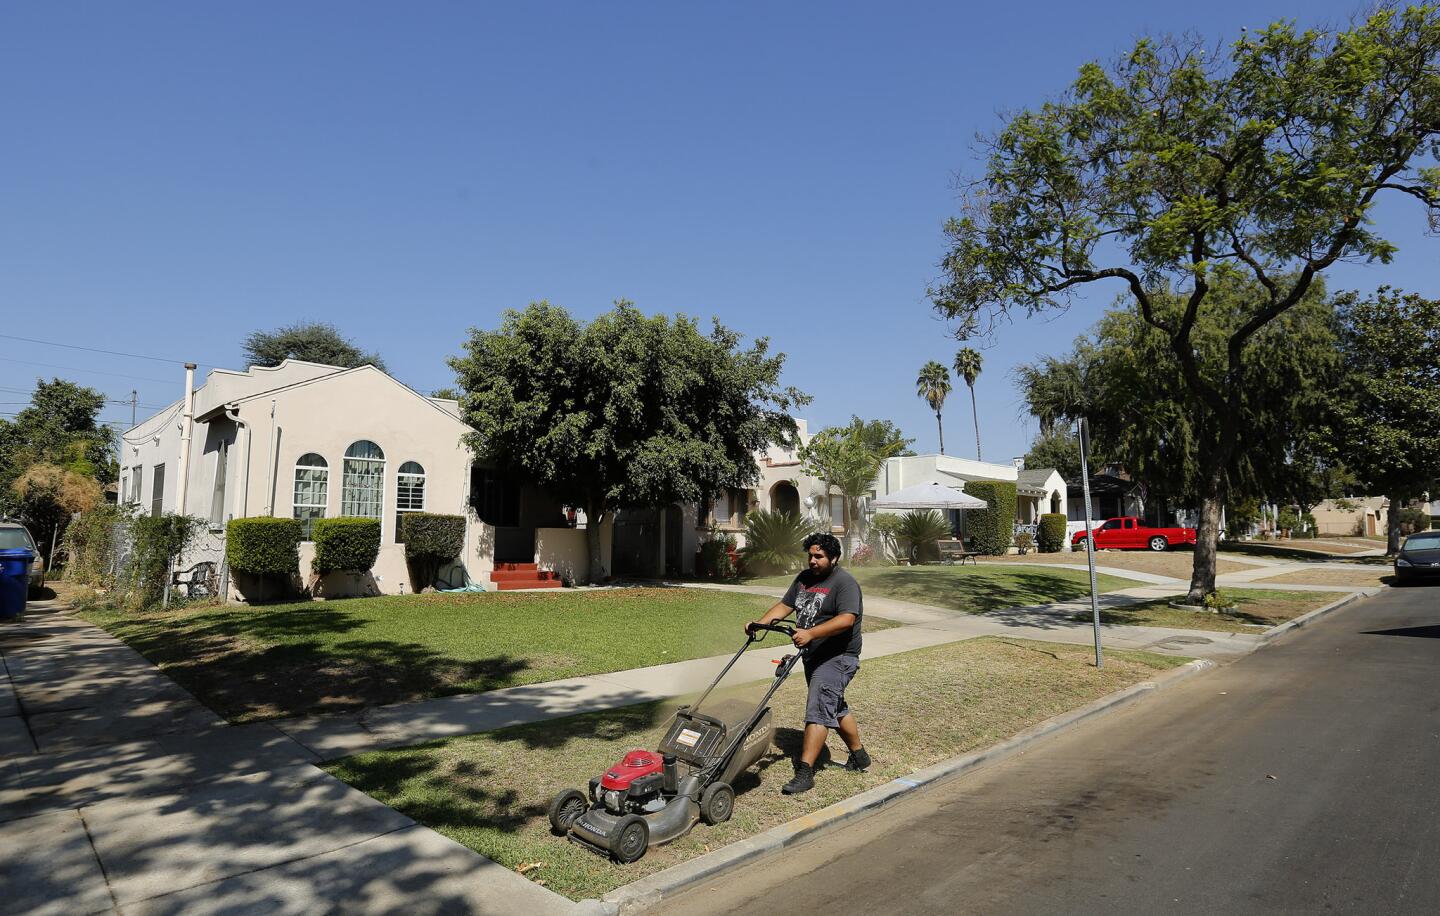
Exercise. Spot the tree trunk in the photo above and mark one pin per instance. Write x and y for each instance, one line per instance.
(941, 427)
(595, 517)
(974, 413)
(1392, 526)
(1207, 536)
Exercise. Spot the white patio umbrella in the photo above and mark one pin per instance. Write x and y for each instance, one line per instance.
(929, 496)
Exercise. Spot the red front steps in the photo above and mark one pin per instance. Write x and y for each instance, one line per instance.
(508, 576)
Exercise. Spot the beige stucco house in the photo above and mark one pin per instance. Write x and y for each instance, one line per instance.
(307, 441)
(1364, 515)
(782, 486)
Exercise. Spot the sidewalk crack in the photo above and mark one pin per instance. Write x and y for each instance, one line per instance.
(104, 874)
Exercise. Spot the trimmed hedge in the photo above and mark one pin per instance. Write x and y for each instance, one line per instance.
(345, 544)
(1052, 532)
(263, 545)
(426, 534)
(431, 541)
(992, 529)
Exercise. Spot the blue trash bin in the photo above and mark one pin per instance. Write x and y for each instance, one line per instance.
(14, 580)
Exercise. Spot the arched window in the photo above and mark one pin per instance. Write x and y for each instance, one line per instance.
(362, 492)
(312, 491)
(409, 492)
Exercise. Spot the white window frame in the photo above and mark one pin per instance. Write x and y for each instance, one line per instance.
(407, 483)
(352, 494)
(307, 523)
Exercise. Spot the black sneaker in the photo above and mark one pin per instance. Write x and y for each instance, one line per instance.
(804, 780)
(859, 761)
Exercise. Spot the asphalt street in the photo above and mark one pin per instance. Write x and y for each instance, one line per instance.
(1302, 779)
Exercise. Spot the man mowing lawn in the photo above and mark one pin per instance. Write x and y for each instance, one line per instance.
(828, 607)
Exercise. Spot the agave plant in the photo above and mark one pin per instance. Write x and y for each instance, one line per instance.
(773, 542)
(918, 531)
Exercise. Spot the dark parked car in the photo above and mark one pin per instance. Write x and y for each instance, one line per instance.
(1419, 557)
(13, 535)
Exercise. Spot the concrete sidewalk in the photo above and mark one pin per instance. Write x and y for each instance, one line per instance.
(119, 793)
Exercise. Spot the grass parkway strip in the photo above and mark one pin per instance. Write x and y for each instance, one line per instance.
(490, 791)
(1256, 610)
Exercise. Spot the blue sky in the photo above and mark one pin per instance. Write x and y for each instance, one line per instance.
(179, 174)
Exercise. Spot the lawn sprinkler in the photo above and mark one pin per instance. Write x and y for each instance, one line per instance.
(653, 797)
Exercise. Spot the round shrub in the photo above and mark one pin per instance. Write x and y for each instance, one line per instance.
(345, 544)
(263, 546)
(1052, 532)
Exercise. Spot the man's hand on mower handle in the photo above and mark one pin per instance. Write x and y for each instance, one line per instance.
(802, 638)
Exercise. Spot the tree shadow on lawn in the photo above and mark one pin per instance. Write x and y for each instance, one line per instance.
(234, 665)
(980, 594)
(1299, 554)
(455, 799)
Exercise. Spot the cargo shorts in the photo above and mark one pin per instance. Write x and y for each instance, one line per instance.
(827, 681)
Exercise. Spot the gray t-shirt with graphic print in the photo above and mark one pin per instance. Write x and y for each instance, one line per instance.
(818, 599)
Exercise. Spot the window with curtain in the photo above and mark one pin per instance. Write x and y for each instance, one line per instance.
(362, 491)
(409, 492)
(837, 511)
(312, 491)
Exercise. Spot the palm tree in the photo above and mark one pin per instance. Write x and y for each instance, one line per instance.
(967, 364)
(933, 385)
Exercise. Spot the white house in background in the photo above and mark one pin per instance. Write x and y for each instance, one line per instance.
(307, 441)
(1037, 491)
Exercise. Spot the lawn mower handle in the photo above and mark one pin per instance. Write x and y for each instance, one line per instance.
(751, 627)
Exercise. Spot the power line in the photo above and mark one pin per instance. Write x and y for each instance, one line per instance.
(108, 400)
(138, 378)
(56, 343)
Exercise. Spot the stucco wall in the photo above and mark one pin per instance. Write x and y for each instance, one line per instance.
(567, 551)
(563, 550)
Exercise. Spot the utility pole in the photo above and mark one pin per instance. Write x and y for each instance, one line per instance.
(134, 400)
(1090, 537)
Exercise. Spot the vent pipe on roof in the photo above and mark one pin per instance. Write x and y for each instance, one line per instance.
(187, 425)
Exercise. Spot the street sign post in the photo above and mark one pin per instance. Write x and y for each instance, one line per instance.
(1090, 538)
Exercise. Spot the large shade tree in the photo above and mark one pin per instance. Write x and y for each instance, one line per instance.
(627, 410)
(314, 342)
(1387, 420)
(54, 449)
(1155, 171)
(1150, 421)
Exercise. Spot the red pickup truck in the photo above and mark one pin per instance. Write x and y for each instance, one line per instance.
(1128, 532)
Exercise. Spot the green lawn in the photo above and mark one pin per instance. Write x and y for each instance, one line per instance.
(490, 791)
(975, 589)
(1257, 609)
(250, 663)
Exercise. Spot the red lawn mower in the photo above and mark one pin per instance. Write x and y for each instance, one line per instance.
(653, 797)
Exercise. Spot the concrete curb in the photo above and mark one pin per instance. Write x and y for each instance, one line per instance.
(654, 889)
(1304, 620)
